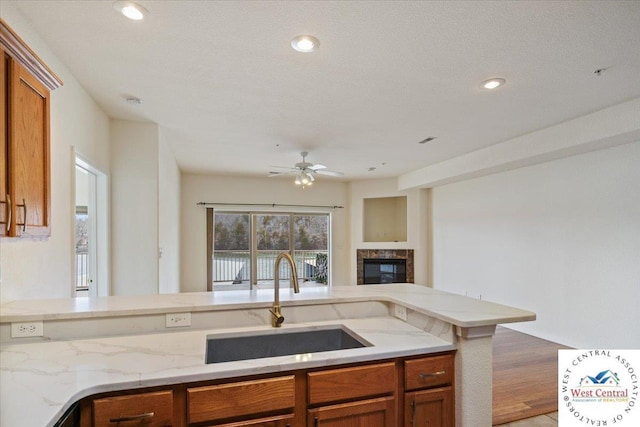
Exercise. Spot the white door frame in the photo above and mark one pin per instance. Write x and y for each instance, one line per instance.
(99, 249)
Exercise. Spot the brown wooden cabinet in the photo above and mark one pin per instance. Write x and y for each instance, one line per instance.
(4, 210)
(345, 395)
(249, 400)
(25, 185)
(351, 383)
(401, 391)
(378, 412)
(429, 396)
(433, 408)
(277, 421)
(153, 409)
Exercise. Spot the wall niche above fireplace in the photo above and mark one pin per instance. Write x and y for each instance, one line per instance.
(385, 219)
(381, 255)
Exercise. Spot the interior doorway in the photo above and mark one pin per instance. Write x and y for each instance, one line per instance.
(91, 261)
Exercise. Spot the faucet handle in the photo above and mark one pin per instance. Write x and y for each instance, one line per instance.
(278, 318)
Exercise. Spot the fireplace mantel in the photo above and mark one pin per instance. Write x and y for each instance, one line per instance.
(406, 254)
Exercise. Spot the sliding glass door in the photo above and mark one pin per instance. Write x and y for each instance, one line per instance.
(246, 245)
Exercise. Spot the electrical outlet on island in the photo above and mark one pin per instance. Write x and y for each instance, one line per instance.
(400, 312)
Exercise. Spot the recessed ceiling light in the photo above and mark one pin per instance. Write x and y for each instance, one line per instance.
(130, 9)
(492, 83)
(305, 44)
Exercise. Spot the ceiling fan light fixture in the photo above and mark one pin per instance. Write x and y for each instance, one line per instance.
(130, 9)
(298, 181)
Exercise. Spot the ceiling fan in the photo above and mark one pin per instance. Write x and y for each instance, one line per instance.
(305, 171)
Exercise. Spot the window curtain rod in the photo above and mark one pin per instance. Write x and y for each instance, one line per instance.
(272, 205)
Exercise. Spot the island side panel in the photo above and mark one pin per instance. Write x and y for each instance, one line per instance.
(474, 378)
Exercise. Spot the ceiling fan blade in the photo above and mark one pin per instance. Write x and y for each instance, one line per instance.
(317, 167)
(283, 167)
(272, 174)
(330, 173)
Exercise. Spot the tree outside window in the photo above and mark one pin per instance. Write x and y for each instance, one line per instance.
(243, 262)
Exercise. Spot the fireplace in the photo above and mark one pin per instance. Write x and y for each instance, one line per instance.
(384, 266)
(378, 270)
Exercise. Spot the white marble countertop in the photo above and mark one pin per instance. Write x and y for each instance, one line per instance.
(455, 309)
(39, 381)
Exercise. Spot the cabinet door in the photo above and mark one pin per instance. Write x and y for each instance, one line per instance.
(28, 147)
(4, 190)
(429, 408)
(364, 413)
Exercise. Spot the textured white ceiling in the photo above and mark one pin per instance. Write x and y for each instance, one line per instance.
(233, 97)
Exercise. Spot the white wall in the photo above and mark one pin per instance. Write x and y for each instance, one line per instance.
(44, 269)
(207, 188)
(561, 239)
(417, 224)
(134, 207)
(611, 126)
(168, 218)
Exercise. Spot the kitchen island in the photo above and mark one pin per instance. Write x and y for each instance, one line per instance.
(96, 345)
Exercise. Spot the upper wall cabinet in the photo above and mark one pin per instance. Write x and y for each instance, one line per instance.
(25, 184)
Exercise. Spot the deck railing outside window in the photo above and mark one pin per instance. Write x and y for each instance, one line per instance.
(82, 271)
(234, 267)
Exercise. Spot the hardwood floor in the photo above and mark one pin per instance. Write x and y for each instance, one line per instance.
(547, 420)
(525, 377)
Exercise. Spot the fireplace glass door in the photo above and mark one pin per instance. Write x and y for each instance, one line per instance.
(384, 271)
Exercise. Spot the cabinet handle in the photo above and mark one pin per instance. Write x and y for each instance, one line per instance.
(413, 412)
(132, 417)
(24, 220)
(432, 374)
(315, 421)
(8, 213)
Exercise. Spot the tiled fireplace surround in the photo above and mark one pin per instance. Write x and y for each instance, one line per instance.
(406, 254)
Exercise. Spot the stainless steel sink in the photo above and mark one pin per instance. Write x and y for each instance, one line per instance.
(280, 342)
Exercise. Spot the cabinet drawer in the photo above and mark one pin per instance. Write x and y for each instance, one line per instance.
(428, 372)
(223, 401)
(277, 421)
(350, 383)
(149, 409)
